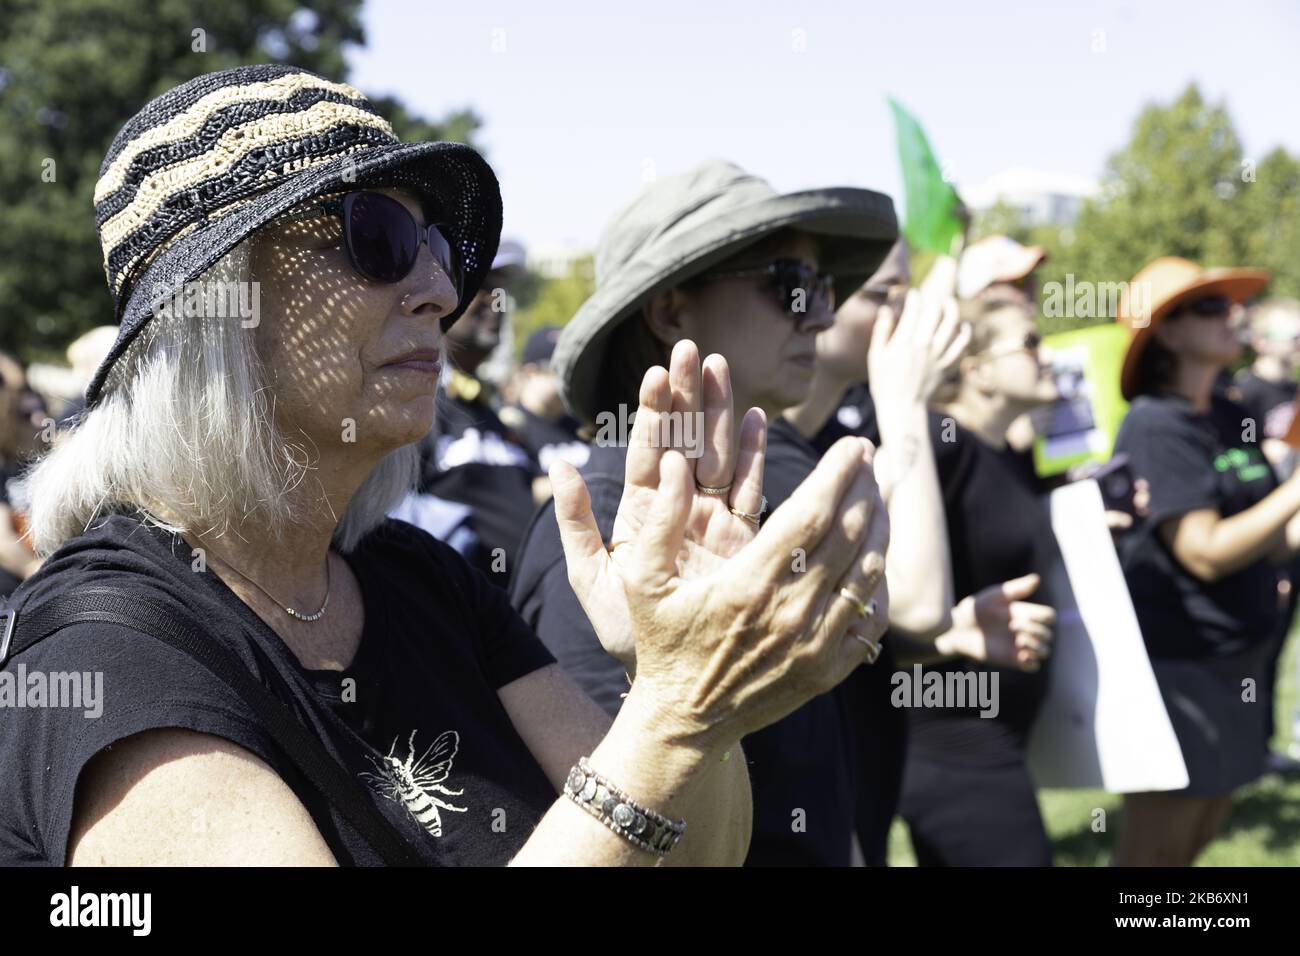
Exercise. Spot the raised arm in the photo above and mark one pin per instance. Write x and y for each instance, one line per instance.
(1211, 547)
(906, 363)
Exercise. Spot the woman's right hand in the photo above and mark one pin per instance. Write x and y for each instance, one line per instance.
(722, 651)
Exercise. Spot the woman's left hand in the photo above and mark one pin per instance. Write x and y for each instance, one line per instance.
(689, 408)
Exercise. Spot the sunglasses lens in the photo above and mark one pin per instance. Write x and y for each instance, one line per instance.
(382, 238)
(442, 253)
(1211, 305)
(799, 285)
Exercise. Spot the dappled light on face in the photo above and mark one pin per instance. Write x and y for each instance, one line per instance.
(330, 339)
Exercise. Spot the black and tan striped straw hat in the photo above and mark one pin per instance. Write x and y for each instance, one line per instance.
(205, 165)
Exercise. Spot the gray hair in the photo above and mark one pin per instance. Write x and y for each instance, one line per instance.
(184, 434)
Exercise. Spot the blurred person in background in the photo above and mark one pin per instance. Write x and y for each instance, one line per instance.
(473, 466)
(1267, 387)
(1202, 565)
(1267, 390)
(85, 355)
(716, 256)
(544, 426)
(998, 267)
(905, 342)
(22, 420)
(968, 798)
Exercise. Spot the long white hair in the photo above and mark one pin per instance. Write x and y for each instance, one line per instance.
(184, 435)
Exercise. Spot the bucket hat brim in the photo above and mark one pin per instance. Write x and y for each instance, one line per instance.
(856, 228)
(452, 176)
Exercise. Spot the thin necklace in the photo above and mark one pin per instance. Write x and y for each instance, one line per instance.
(297, 615)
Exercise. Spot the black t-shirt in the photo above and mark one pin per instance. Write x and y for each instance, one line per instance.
(1271, 404)
(875, 730)
(800, 763)
(472, 458)
(998, 529)
(548, 440)
(438, 642)
(855, 415)
(1194, 461)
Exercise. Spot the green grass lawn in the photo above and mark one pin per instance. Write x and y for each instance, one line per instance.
(1263, 830)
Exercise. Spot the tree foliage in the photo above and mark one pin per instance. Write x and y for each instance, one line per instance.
(1181, 186)
(555, 300)
(71, 73)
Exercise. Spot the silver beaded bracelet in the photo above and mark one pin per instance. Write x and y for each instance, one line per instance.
(640, 826)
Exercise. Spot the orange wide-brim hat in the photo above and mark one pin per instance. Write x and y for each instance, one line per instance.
(1159, 289)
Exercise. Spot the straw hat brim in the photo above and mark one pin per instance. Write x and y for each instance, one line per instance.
(450, 174)
(857, 228)
(1237, 285)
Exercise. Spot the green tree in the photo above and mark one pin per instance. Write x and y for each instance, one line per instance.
(71, 73)
(555, 300)
(1182, 186)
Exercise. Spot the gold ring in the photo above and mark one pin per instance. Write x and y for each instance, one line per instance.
(873, 648)
(752, 518)
(720, 492)
(865, 609)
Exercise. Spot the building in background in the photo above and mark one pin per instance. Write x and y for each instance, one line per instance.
(1041, 198)
(554, 260)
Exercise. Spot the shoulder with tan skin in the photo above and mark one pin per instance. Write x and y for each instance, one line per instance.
(173, 797)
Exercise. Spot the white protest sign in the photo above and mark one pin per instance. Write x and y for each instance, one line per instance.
(1103, 723)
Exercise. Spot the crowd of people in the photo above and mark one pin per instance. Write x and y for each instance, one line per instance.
(526, 637)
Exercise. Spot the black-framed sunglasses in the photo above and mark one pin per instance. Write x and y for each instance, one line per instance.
(787, 279)
(383, 239)
(1208, 306)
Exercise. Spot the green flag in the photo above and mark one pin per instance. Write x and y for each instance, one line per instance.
(932, 221)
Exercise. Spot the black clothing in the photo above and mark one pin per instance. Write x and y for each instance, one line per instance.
(415, 715)
(876, 731)
(548, 440)
(541, 593)
(1223, 738)
(1194, 461)
(997, 530)
(1270, 404)
(973, 816)
(800, 768)
(856, 415)
(472, 458)
(1204, 638)
(968, 797)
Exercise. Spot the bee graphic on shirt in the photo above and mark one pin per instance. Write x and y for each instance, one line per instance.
(415, 782)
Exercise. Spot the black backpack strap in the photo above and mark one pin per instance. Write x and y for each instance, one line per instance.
(172, 626)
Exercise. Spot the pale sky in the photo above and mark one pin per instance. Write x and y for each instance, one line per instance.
(581, 101)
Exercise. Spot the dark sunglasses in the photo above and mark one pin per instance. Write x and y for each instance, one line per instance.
(383, 239)
(1209, 305)
(795, 284)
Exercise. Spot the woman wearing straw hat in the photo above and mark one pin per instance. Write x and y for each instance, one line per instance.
(277, 674)
(717, 256)
(1199, 564)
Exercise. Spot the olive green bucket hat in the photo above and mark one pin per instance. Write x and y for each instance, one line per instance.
(681, 226)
